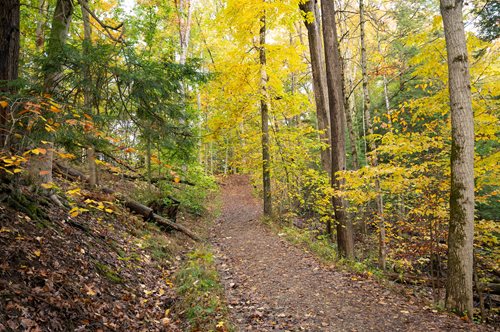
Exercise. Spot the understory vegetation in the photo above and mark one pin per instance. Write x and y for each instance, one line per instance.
(202, 294)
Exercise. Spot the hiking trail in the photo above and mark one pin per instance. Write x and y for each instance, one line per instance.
(271, 285)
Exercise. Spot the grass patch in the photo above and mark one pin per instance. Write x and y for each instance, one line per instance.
(202, 296)
(318, 245)
(325, 250)
(158, 246)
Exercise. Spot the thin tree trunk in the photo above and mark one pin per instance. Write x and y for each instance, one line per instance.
(264, 112)
(336, 99)
(148, 156)
(318, 77)
(185, 13)
(349, 74)
(40, 167)
(9, 59)
(461, 229)
(87, 91)
(373, 159)
(42, 6)
(386, 88)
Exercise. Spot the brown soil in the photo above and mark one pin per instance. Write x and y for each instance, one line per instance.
(92, 272)
(271, 285)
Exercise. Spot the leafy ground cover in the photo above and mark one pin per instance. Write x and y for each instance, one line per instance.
(86, 267)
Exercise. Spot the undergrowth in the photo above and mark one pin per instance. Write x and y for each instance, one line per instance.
(324, 249)
(202, 296)
(320, 246)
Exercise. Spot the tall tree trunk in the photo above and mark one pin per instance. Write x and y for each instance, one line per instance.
(461, 229)
(148, 156)
(59, 33)
(373, 159)
(87, 91)
(336, 104)
(386, 87)
(40, 167)
(310, 8)
(350, 111)
(264, 112)
(43, 6)
(185, 13)
(9, 58)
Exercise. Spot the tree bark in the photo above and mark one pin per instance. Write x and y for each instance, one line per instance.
(87, 90)
(59, 33)
(185, 13)
(373, 159)
(459, 284)
(336, 105)
(264, 112)
(40, 167)
(350, 112)
(310, 8)
(9, 58)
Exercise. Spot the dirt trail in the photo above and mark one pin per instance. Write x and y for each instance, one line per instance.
(273, 286)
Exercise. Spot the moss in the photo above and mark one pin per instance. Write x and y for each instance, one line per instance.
(23, 203)
(107, 272)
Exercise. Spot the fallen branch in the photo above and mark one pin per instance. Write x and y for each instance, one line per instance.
(134, 206)
(69, 173)
(149, 214)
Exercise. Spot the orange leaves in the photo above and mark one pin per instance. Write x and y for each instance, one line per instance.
(4, 104)
(130, 150)
(37, 151)
(54, 109)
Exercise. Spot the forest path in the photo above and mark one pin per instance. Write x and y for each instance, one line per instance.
(271, 285)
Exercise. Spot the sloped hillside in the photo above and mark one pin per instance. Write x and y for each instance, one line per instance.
(86, 265)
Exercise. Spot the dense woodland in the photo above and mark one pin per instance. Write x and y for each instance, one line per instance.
(371, 126)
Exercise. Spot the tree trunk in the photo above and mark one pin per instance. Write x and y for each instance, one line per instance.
(336, 105)
(350, 111)
(60, 26)
(373, 159)
(9, 58)
(148, 155)
(43, 6)
(386, 87)
(319, 78)
(264, 112)
(40, 167)
(185, 13)
(461, 229)
(87, 91)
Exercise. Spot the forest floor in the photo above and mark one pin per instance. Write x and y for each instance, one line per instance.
(271, 285)
(103, 270)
